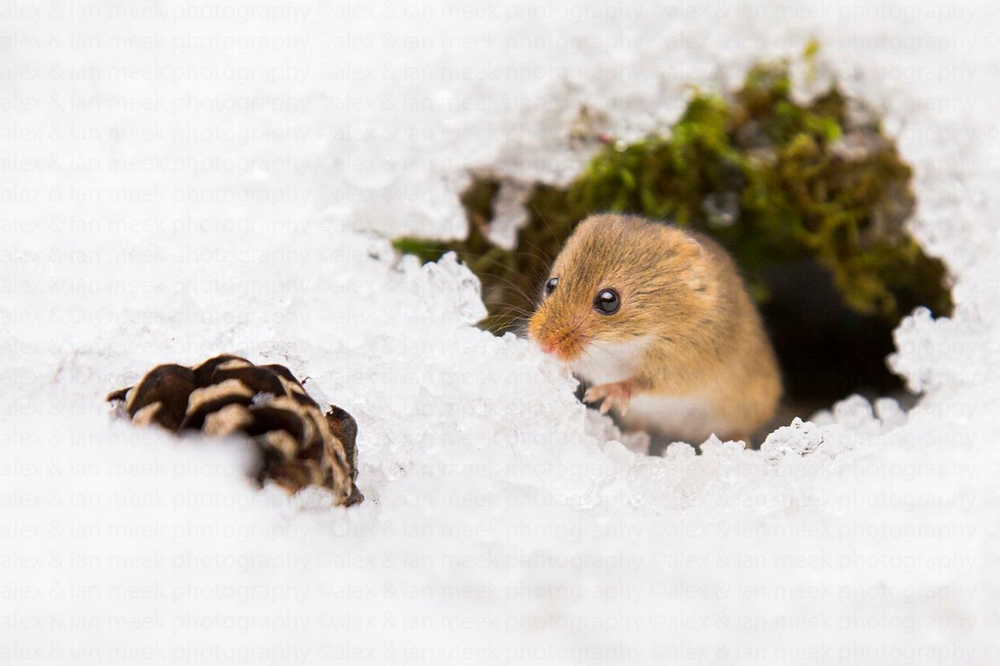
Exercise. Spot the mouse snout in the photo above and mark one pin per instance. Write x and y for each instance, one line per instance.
(547, 347)
(564, 340)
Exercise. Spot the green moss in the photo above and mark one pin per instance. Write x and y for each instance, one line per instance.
(773, 180)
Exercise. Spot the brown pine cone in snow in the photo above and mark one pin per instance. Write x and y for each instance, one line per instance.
(299, 445)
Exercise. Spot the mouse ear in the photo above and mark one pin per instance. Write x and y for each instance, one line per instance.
(694, 248)
(692, 253)
(687, 247)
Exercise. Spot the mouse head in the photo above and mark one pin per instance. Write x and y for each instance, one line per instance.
(620, 280)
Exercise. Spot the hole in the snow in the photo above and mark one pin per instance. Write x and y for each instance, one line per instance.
(811, 198)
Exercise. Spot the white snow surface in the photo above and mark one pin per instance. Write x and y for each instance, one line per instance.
(181, 179)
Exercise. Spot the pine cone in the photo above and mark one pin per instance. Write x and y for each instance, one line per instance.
(299, 445)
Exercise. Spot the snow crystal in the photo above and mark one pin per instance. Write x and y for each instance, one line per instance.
(510, 214)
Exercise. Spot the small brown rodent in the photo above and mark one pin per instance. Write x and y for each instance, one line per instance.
(660, 323)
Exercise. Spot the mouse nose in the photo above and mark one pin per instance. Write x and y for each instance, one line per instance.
(556, 337)
(557, 343)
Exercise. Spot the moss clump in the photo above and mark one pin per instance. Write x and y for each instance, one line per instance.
(777, 182)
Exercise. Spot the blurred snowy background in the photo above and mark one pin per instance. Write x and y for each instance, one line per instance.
(180, 179)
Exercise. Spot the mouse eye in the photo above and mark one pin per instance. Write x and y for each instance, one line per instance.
(550, 286)
(607, 302)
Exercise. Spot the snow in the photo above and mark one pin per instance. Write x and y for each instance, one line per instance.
(184, 179)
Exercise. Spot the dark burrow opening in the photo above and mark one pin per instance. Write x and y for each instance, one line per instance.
(810, 198)
(826, 350)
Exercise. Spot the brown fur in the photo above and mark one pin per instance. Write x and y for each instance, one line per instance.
(683, 290)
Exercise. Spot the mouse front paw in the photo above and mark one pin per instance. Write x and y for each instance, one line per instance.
(618, 395)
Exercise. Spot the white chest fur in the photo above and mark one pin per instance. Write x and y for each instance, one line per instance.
(606, 362)
(690, 419)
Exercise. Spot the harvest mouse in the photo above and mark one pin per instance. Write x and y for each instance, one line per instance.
(659, 322)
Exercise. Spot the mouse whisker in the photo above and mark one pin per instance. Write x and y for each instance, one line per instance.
(548, 226)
